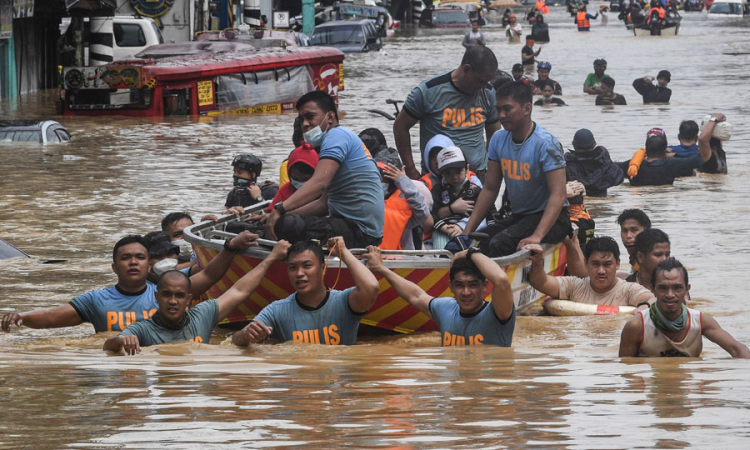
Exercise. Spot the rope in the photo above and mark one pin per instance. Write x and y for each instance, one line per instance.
(325, 267)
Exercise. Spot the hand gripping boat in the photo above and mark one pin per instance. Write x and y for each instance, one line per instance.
(390, 311)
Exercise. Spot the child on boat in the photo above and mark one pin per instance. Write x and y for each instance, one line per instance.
(246, 191)
(453, 198)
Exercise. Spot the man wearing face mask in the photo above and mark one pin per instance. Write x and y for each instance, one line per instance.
(343, 197)
(132, 298)
(246, 190)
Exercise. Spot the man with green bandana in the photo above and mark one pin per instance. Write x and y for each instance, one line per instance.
(668, 327)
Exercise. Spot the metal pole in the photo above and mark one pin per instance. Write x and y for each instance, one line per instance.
(308, 16)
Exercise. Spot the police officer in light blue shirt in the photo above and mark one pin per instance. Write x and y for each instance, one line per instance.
(344, 197)
(314, 314)
(466, 319)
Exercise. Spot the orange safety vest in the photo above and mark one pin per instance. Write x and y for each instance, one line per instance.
(397, 214)
(541, 6)
(582, 21)
(659, 11)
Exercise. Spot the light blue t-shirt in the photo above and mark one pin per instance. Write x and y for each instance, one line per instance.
(524, 167)
(202, 320)
(354, 192)
(331, 323)
(112, 310)
(442, 109)
(483, 328)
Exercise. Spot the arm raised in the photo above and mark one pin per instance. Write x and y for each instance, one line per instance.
(366, 286)
(538, 278)
(215, 270)
(407, 290)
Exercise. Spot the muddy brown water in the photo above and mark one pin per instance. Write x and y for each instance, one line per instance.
(560, 386)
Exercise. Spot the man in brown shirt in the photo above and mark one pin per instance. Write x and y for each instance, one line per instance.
(600, 287)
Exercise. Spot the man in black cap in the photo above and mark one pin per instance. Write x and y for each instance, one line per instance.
(651, 93)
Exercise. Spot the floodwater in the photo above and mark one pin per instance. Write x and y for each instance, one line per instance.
(560, 386)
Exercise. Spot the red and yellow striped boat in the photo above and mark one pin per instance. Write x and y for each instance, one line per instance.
(390, 311)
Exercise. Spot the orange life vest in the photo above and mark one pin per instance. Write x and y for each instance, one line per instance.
(659, 11)
(582, 21)
(397, 214)
(541, 6)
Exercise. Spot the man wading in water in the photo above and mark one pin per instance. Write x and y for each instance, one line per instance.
(132, 298)
(466, 319)
(315, 314)
(668, 327)
(173, 323)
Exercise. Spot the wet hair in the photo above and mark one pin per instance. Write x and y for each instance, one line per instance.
(635, 214)
(609, 82)
(501, 78)
(130, 239)
(172, 218)
(656, 146)
(174, 274)
(375, 134)
(465, 265)
(688, 130)
(668, 265)
(646, 240)
(480, 58)
(155, 237)
(517, 90)
(324, 101)
(297, 133)
(301, 246)
(544, 83)
(602, 244)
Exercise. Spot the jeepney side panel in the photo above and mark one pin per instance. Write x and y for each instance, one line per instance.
(329, 77)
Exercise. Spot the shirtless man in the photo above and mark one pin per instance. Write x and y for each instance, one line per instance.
(668, 327)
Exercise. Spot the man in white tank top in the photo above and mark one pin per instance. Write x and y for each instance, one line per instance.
(668, 327)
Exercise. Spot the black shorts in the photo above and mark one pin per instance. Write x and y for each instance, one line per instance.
(295, 228)
(507, 233)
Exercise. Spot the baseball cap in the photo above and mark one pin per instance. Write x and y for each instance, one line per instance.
(451, 158)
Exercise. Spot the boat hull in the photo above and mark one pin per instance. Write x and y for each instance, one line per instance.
(390, 311)
(669, 31)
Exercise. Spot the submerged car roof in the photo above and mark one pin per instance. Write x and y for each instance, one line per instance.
(24, 124)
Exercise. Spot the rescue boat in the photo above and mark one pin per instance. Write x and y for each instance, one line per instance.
(427, 268)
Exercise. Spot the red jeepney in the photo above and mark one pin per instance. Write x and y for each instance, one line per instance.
(202, 77)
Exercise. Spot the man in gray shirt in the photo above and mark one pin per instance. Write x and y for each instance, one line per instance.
(173, 323)
(459, 104)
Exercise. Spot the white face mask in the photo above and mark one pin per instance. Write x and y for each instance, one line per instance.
(315, 136)
(297, 184)
(186, 249)
(165, 265)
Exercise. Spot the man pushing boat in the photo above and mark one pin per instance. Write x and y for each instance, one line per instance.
(132, 299)
(314, 314)
(466, 319)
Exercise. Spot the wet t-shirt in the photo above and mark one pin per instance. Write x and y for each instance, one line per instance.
(482, 328)
(664, 171)
(354, 191)
(579, 290)
(442, 109)
(111, 309)
(524, 167)
(202, 320)
(594, 81)
(332, 323)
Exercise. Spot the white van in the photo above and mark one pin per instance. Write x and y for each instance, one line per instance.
(728, 8)
(131, 35)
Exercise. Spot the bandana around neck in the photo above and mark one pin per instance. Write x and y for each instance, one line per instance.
(665, 325)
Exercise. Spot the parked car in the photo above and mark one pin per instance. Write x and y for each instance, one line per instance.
(43, 132)
(444, 18)
(349, 36)
(727, 8)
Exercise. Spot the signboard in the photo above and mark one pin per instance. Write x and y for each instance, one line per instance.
(23, 9)
(364, 11)
(205, 93)
(6, 19)
(281, 19)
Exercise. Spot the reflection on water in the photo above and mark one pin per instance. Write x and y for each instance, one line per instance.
(560, 386)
